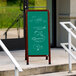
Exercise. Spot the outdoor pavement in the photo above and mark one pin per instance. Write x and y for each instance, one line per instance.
(58, 57)
(12, 33)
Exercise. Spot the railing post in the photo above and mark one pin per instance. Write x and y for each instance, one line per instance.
(69, 46)
(16, 72)
(5, 35)
(70, 33)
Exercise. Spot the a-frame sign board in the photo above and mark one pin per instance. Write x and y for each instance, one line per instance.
(37, 34)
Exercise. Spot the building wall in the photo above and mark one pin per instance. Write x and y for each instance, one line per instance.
(63, 14)
(66, 11)
(73, 17)
(73, 11)
(73, 8)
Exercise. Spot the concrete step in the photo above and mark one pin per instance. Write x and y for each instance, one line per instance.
(38, 65)
(58, 74)
(39, 70)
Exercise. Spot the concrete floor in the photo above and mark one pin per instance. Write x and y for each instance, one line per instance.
(58, 57)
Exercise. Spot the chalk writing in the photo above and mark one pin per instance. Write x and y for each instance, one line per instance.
(37, 47)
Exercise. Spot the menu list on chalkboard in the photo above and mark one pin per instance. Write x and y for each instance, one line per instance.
(38, 41)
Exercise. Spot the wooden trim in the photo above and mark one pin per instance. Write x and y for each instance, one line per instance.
(26, 52)
(49, 37)
(38, 55)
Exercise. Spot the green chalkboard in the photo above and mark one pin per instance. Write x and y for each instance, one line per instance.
(37, 32)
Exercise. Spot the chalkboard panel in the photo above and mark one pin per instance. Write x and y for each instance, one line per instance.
(37, 26)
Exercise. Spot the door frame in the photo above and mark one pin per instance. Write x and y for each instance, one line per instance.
(53, 45)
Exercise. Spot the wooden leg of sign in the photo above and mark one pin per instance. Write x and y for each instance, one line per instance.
(27, 60)
(46, 57)
(25, 55)
(49, 57)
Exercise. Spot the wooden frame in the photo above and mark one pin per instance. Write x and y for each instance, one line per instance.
(26, 43)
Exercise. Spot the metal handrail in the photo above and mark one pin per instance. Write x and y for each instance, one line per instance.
(70, 45)
(64, 46)
(15, 21)
(17, 66)
(67, 29)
